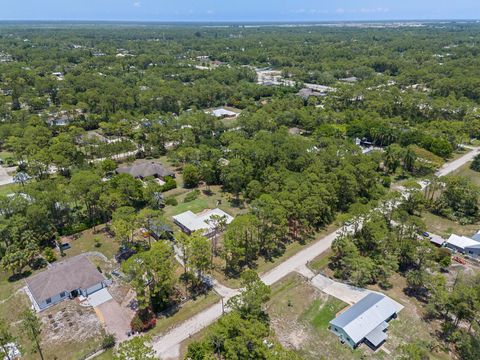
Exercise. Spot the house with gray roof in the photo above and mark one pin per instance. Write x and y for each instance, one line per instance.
(366, 321)
(64, 280)
(146, 169)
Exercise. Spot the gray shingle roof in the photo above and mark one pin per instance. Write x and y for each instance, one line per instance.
(68, 275)
(145, 169)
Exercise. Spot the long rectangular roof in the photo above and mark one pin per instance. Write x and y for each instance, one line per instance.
(146, 169)
(194, 222)
(366, 315)
(463, 242)
(68, 275)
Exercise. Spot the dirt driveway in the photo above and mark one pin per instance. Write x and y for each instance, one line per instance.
(116, 318)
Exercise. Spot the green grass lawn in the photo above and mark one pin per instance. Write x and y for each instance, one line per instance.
(320, 313)
(86, 242)
(107, 355)
(5, 154)
(320, 263)
(467, 172)
(445, 227)
(299, 316)
(9, 188)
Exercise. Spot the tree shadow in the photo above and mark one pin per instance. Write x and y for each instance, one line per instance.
(17, 277)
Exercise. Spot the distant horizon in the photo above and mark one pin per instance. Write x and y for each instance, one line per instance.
(227, 11)
(227, 22)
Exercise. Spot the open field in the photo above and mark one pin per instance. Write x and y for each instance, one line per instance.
(467, 172)
(300, 315)
(85, 242)
(445, 227)
(217, 198)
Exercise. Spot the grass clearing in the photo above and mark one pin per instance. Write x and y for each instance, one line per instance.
(320, 313)
(320, 263)
(106, 355)
(300, 314)
(8, 189)
(85, 242)
(445, 227)
(469, 173)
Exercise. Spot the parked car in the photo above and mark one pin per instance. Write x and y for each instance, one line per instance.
(64, 246)
(124, 254)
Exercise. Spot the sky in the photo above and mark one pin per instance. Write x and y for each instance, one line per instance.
(238, 10)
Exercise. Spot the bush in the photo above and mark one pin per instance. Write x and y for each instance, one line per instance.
(171, 201)
(108, 341)
(476, 163)
(49, 255)
(192, 195)
(170, 184)
(143, 320)
(191, 176)
(97, 242)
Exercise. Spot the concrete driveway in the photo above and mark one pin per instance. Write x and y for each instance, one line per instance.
(115, 318)
(347, 293)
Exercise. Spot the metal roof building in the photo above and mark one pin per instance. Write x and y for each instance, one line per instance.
(367, 320)
(190, 222)
(464, 244)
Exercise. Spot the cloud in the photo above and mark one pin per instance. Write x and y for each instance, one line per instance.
(137, 4)
(340, 11)
(374, 10)
(210, 12)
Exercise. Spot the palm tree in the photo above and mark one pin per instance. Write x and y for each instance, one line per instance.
(409, 160)
(218, 224)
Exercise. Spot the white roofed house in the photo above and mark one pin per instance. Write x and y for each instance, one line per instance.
(222, 113)
(464, 244)
(366, 321)
(190, 222)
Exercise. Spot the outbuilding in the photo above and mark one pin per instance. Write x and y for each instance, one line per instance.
(464, 245)
(366, 321)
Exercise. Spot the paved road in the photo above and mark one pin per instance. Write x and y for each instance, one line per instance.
(5, 179)
(454, 165)
(168, 346)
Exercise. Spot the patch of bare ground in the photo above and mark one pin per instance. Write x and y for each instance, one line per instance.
(289, 300)
(69, 321)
